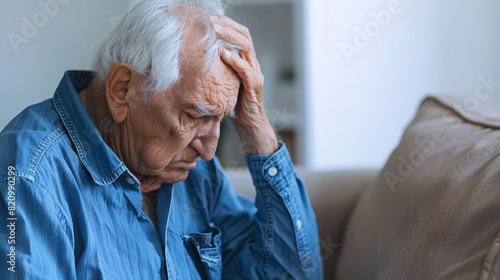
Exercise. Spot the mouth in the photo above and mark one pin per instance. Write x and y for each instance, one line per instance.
(188, 165)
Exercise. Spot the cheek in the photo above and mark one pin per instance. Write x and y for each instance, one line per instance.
(181, 139)
(155, 155)
(164, 148)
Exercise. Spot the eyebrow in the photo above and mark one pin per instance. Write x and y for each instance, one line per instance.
(205, 111)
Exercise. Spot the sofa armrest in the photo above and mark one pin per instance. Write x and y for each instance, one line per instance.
(333, 196)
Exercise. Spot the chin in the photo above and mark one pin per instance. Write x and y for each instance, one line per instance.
(152, 183)
(179, 176)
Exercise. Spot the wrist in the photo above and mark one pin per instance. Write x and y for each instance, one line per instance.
(266, 145)
(258, 141)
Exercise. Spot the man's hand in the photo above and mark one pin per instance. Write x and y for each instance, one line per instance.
(251, 121)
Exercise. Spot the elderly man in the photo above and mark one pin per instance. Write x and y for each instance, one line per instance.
(115, 176)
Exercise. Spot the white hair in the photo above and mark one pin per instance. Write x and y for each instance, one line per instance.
(149, 37)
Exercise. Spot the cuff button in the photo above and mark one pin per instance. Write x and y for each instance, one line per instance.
(272, 171)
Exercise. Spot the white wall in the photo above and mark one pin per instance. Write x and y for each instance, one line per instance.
(358, 105)
(64, 41)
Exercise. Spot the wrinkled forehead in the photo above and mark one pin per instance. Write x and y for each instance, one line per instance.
(217, 90)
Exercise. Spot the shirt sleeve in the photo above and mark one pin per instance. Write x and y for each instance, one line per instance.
(36, 244)
(276, 236)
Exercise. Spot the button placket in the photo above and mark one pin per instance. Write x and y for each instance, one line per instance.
(130, 181)
(299, 224)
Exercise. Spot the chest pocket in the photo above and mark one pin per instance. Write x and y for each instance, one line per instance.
(204, 248)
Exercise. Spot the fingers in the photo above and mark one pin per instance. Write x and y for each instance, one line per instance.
(246, 63)
(251, 80)
(225, 21)
(229, 33)
(231, 30)
(239, 65)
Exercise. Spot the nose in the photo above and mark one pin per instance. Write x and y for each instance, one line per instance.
(206, 138)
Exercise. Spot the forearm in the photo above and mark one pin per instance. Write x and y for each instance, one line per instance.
(285, 218)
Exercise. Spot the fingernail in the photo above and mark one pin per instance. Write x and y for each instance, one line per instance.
(217, 27)
(213, 17)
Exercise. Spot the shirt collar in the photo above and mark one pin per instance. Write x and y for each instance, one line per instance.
(97, 157)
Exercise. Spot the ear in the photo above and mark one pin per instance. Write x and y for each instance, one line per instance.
(118, 93)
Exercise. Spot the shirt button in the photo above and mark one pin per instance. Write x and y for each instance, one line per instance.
(272, 171)
(299, 224)
(130, 181)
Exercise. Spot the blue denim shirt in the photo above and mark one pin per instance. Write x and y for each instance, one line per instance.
(70, 209)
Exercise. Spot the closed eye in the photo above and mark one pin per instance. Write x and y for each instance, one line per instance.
(189, 119)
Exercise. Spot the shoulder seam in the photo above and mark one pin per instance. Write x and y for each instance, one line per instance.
(40, 151)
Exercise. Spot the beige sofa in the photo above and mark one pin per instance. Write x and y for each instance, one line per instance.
(332, 195)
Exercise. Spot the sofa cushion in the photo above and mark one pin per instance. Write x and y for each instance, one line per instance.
(433, 211)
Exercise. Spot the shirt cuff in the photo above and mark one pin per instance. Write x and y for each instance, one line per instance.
(271, 170)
